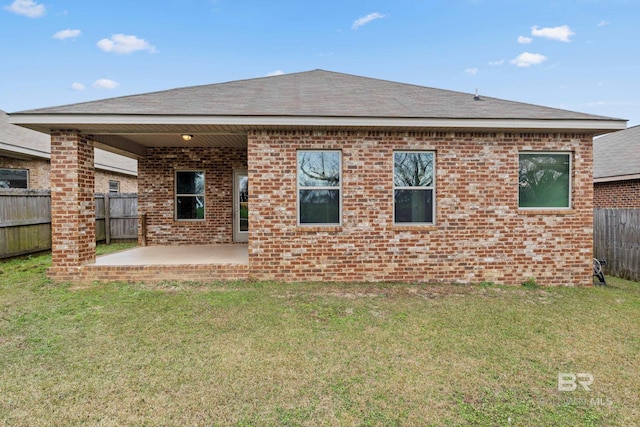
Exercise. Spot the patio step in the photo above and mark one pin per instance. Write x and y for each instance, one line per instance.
(164, 273)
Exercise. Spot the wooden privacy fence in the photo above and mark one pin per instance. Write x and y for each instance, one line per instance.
(616, 238)
(25, 220)
(116, 216)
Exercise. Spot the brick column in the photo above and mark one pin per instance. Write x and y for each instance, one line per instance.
(73, 233)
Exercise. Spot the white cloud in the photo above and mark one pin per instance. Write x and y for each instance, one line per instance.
(603, 23)
(66, 34)
(77, 86)
(471, 71)
(275, 73)
(599, 103)
(496, 63)
(524, 40)
(527, 59)
(105, 84)
(122, 43)
(366, 19)
(27, 8)
(561, 33)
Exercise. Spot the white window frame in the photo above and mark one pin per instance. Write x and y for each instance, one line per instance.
(21, 170)
(117, 186)
(299, 187)
(569, 206)
(176, 195)
(432, 187)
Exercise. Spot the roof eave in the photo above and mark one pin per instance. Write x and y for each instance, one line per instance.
(616, 178)
(46, 122)
(25, 153)
(115, 169)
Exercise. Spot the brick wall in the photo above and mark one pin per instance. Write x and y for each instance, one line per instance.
(156, 175)
(617, 194)
(480, 234)
(128, 183)
(72, 204)
(39, 171)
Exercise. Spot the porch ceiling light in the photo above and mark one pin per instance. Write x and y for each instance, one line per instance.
(187, 137)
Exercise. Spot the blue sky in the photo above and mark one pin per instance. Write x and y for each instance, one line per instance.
(581, 55)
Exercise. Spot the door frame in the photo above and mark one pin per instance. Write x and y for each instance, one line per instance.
(238, 236)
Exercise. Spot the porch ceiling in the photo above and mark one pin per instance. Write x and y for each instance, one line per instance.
(163, 135)
(201, 138)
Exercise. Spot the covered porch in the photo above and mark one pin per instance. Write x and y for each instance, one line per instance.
(153, 264)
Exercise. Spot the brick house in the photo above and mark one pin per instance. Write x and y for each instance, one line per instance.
(333, 177)
(616, 169)
(25, 162)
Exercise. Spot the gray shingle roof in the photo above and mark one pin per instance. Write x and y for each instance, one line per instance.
(316, 93)
(617, 154)
(12, 135)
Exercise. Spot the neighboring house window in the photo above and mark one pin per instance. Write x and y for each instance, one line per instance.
(14, 178)
(413, 187)
(114, 186)
(319, 187)
(190, 195)
(544, 180)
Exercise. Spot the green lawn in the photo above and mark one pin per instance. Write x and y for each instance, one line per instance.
(313, 354)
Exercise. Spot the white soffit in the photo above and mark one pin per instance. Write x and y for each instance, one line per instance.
(111, 123)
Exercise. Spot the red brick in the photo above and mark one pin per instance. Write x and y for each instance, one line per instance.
(72, 206)
(617, 194)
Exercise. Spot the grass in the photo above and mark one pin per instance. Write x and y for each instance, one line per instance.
(260, 353)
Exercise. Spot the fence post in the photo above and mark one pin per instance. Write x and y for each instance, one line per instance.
(142, 229)
(107, 218)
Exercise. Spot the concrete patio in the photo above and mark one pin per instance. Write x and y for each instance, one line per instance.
(177, 255)
(155, 264)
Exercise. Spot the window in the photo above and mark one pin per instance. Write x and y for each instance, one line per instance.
(114, 186)
(14, 178)
(544, 180)
(189, 195)
(319, 187)
(413, 187)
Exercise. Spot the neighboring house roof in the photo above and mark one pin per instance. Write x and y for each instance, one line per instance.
(314, 99)
(21, 143)
(616, 156)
